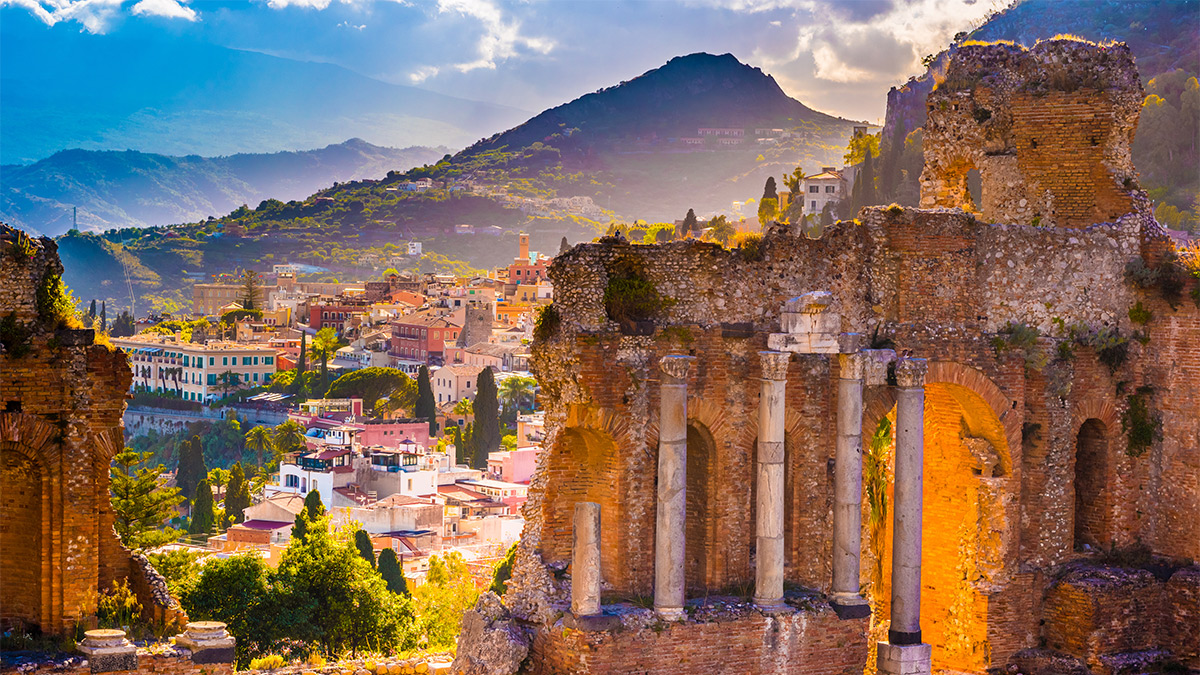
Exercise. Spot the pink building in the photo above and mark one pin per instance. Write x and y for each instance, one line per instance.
(513, 466)
(394, 433)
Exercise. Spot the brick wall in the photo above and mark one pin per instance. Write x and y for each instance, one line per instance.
(744, 643)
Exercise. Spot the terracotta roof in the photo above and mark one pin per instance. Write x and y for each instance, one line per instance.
(265, 524)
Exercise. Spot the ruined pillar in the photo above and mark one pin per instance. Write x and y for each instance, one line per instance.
(669, 534)
(847, 490)
(585, 560)
(768, 578)
(904, 652)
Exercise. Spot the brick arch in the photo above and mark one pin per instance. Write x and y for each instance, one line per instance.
(1094, 426)
(972, 379)
(28, 510)
(1094, 407)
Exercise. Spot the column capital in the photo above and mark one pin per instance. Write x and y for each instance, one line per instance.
(676, 367)
(852, 366)
(910, 373)
(775, 364)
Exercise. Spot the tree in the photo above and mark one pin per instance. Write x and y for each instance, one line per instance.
(237, 498)
(300, 363)
(288, 437)
(141, 503)
(767, 210)
(390, 570)
(92, 313)
(312, 512)
(191, 469)
(259, 441)
(250, 295)
(487, 417)
(372, 384)
(468, 448)
(563, 246)
(721, 229)
(204, 517)
(690, 224)
(793, 180)
(769, 190)
(362, 541)
(229, 380)
(103, 317)
(448, 593)
(514, 391)
(425, 406)
(218, 478)
(236, 591)
(123, 325)
(325, 345)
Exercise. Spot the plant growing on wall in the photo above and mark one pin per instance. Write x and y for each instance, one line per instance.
(1141, 425)
(1017, 336)
(629, 296)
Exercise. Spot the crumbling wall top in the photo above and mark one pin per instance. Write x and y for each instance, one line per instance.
(1048, 129)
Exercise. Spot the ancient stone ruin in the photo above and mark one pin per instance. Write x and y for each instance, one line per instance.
(899, 446)
(60, 426)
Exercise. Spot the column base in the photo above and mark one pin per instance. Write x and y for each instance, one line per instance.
(849, 605)
(771, 606)
(670, 613)
(904, 659)
(591, 622)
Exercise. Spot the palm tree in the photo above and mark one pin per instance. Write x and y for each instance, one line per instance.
(324, 345)
(258, 440)
(218, 478)
(515, 390)
(289, 436)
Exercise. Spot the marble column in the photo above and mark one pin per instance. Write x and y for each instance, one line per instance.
(768, 579)
(847, 489)
(585, 560)
(904, 652)
(670, 533)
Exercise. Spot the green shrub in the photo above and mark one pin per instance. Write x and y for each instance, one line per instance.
(268, 662)
(14, 336)
(1141, 425)
(546, 324)
(1020, 337)
(749, 245)
(1139, 314)
(118, 606)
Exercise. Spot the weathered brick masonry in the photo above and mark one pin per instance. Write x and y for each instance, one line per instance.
(1026, 466)
(62, 397)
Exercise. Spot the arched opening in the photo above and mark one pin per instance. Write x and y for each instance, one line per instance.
(966, 463)
(975, 190)
(582, 468)
(1091, 474)
(21, 516)
(701, 514)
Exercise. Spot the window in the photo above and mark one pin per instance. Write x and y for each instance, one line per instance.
(245, 360)
(814, 204)
(269, 360)
(224, 360)
(410, 485)
(212, 360)
(829, 189)
(256, 360)
(256, 377)
(212, 379)
(291, 481)
(814, 189)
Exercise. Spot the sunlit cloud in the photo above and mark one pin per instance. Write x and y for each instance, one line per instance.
(96, 16)
(169, 9)
(423, 73)
(502, 38)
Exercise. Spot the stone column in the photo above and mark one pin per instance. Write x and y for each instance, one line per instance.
(768, 578)
(108, 650)
(585, 560)
(669, 534)
(847, 491)
(208, 641)
(904, 652)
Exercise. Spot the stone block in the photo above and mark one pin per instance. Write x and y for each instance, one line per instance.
(904, 659)
(108, 651)
(208, 641)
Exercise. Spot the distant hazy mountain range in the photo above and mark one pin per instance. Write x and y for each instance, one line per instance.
(181, 97)
(137, 189)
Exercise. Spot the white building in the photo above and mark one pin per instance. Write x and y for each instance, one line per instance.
(415, 248)
(454, 383)
(829, 186)
(201, 372)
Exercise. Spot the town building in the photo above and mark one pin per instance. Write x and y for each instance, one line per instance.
(454, 383)
(200, 372)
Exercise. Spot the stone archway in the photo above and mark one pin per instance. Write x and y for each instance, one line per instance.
(967, 469)
(24, 502)
(1091, 478)
(701, 529)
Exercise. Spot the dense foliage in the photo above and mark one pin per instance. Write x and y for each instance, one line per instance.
(142, 504)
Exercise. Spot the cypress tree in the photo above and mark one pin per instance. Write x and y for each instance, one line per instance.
(458, 444)
(191, 469)
(487, 418)
(867, 176)
(426, 408)
(468, 445)
(690, 224)
(301, 364)
(563, 246)
(237, 494)
(362, 541)
(769, 189)
(103, 317)
(203, 512)
(312, 502)
(92, 309)
(389, 569)
(300, 526)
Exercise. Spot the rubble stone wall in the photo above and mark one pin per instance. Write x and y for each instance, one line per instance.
(1049, 130)
(61, 400)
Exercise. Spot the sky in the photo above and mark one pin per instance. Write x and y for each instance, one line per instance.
(837, 56)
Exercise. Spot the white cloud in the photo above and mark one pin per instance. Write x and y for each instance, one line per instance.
(423, 73)
(170, 9)
(97, 16)
(347, 24)
(502, 38)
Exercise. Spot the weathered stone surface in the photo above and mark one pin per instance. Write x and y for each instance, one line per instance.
(491, 642)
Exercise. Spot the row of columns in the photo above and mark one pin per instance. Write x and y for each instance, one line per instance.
(670, 530)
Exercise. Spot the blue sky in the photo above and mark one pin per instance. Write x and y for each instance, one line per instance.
(838, 56)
